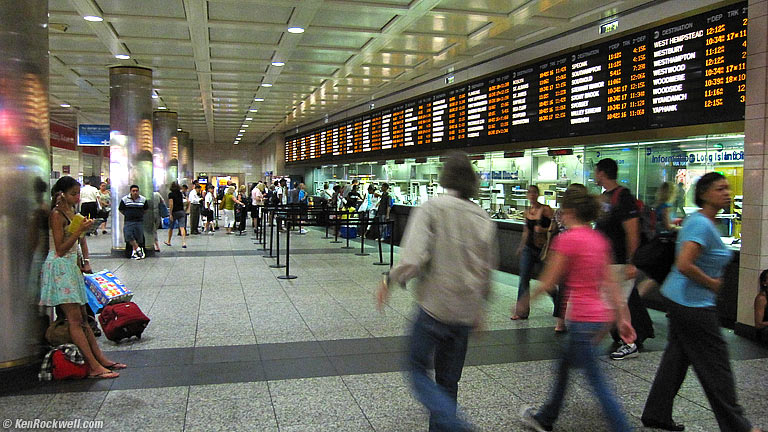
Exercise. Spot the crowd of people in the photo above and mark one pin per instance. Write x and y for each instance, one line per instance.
(595, 289)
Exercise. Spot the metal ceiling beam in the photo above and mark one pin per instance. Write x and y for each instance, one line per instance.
(302, 16)
(416, 10)
(197, 21)
(105, 32)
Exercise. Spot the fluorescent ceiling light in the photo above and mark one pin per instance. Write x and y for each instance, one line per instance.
(65, 105)
(122, 56)
(93, 18)
(253, 110)
(248, 118)
(244, 126)
(266, 85)
(278, 63)
(258, 99)
(242, 130)
(154, 96)
(161, 107)
(178, 130)
(296, 30)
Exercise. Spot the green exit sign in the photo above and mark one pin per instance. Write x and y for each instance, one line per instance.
(609, 27)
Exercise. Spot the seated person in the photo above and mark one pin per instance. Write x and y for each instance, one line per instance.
(761, 308)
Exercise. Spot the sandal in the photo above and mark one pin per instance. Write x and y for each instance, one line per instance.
(518, 317)
(116, 365)
(166, 243)
(183, 246)
(104, 375)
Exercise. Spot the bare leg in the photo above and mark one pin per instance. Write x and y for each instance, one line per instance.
(183, 236)
(170, 234)
(134, 244)
(79, 334)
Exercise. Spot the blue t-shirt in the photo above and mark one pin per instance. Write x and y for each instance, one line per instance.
(302, 197)
(714, 257)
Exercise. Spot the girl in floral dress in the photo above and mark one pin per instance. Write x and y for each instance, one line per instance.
(62, 278)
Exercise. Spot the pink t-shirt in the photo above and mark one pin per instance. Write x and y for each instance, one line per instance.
(588, 254)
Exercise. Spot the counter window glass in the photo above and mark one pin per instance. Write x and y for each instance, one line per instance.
(505, 177)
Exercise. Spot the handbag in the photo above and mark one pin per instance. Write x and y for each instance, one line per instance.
(63, 368)
(57, 333)
(656, 257)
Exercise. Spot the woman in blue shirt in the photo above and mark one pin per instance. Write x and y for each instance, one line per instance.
(694, 329)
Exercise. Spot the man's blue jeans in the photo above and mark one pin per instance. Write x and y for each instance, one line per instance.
(448, 344)
(580, 353)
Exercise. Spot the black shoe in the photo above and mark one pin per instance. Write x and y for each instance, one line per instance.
(664, 426)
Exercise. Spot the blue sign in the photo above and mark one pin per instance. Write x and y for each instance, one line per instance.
(93, 135)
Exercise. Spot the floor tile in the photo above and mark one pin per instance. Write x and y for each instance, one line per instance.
(307, 408)
(230, 415)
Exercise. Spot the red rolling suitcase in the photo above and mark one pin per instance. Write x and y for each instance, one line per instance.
(122, 320)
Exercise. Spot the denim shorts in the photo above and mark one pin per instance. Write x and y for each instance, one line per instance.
(134, 231)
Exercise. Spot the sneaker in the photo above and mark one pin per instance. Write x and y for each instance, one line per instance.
(141, 253)
(103, 231)
(135, 255)
(526, 415)
(625, 351)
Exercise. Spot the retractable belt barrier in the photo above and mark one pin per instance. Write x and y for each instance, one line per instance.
(292, 214)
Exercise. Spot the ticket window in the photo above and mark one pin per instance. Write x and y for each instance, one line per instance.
(553, 170)
(682, 162)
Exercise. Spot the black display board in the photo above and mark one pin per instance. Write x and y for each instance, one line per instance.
(691, 71)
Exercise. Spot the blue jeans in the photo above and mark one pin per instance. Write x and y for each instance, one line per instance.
(448, 344)
(580, 353)
(528, 260)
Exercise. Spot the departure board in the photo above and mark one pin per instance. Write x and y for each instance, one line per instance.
(690, 71)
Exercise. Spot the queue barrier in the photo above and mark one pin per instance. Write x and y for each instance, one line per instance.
(287, 215)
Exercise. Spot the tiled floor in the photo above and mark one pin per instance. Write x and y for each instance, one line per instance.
(231, 347)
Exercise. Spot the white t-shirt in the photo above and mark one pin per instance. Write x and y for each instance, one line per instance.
(209, 200)
(280, 191)
(88, 194)
(257, 196)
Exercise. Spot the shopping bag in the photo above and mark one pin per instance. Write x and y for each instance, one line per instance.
(106, 289)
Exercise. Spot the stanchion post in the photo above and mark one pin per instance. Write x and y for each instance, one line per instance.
(287, 265)
(381, 254)
(271, 236)
(362, 246)
(277, 250)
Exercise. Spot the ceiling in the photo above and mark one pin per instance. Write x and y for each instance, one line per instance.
(211, 59)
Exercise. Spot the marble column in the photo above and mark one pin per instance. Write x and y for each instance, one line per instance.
(166, 150)
(754, 247)
(130, 120)
(25, 171)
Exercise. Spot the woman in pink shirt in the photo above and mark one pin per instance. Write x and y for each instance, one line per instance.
(579, 259)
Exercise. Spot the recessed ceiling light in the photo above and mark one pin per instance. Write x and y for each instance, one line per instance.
(122, 56)
(267, 84)
(248, 118)
(278, 63)
(65, 105)
(93, 18)
(258, 99)
(178, 130)
(296, 30)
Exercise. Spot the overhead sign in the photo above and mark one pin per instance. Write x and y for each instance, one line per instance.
(93, 135)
